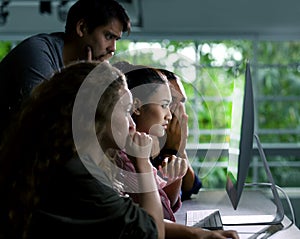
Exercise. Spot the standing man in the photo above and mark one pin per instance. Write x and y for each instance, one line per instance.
(91, 31)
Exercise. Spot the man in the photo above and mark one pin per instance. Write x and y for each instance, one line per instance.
(91, 31)
(177, 133)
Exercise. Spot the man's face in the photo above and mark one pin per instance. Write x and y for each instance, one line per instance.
(177, 91)
(102, 40)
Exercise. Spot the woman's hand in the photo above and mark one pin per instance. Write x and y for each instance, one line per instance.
(173, 168)
(138, 149)
(175, 230)
(139, 145)
(219, 234)
(177, 131)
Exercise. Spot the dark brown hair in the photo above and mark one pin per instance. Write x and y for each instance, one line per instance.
(41, 138)
(96, 13)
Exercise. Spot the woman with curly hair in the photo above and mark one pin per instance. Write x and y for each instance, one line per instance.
(57, 171)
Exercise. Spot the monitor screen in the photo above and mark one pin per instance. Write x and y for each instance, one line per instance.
(241, 137)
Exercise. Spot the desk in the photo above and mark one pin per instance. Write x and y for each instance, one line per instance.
(252, 202)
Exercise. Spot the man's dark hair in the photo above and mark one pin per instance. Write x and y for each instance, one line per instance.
(96, 13)
(169, 74)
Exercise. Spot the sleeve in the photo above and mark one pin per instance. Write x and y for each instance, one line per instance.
(38, 65)
(195, 189)
(177, 205)
(102, 203)
(133, 221)
(28, 64)
(77, 205)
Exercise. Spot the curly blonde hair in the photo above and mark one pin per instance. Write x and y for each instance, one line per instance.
(40, 139)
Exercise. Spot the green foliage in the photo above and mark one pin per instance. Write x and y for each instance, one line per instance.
(5, 47)
(209, 69)
(215, 179)
(122, 45)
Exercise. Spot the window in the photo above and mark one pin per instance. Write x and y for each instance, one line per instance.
(208, 70)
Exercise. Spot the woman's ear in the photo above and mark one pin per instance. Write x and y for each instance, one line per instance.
(81, 29)
(136, 106)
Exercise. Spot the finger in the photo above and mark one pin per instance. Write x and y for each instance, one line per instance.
(181, 116)
(172, 167)
(142, 139)
(181, 168)
(184, 132)
(184, 124)
(184, 167)
(131, 144)
(140, 145)
(164, 167)
(176, 168)
(174, 128)
(173, 107)
(173, 124)
(227, 234)
(179, 111)
(89, 54)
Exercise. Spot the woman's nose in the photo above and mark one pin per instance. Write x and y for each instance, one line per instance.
(131, 124)
(169, 114)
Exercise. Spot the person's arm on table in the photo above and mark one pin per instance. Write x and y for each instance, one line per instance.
(179, 231)
(191, 184)
(149, 196)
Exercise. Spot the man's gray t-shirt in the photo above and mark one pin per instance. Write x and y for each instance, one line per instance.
(31, 62)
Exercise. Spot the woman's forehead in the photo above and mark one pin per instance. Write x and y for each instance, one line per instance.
(125, 93)
(162, 92)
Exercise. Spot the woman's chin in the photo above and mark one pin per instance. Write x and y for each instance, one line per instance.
(157, 130)
(158, 133)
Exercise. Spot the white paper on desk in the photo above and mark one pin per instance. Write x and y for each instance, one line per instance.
(241, 219)
(194, 216)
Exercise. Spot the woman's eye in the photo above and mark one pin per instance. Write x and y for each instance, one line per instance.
(129, 111)
(165, 106)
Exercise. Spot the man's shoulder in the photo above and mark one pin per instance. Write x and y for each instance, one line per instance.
(53, 38)
(50, 44)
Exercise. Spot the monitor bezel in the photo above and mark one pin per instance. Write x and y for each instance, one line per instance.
(234, 189)
(247, 134)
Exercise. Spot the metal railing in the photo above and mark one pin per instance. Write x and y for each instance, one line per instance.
(196, 152)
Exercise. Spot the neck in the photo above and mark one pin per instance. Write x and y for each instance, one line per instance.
(155, 146)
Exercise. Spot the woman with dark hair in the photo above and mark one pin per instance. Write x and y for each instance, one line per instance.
(177, 134)
(151, 113)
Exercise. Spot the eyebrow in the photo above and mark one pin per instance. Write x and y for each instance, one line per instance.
(182, 100)
(167, 100)
(113, 35)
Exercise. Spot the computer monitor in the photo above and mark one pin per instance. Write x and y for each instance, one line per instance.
(241, 146)
(241, 137)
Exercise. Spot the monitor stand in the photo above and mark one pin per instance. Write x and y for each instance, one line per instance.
(268, 219)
